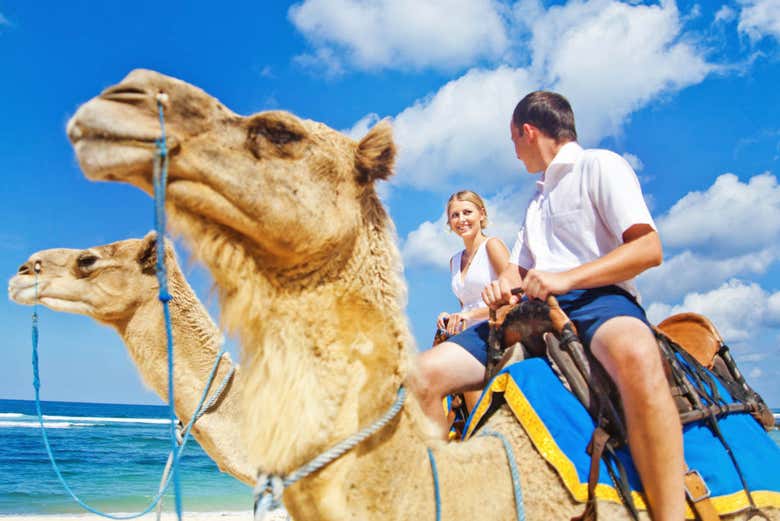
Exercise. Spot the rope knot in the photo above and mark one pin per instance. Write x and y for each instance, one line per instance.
(162, 149)
(165, 296)
(268, 494)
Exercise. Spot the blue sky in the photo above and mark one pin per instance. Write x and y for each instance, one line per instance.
(686, 91)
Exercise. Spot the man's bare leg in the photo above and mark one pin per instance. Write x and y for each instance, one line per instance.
(627, 349)
(444, 369)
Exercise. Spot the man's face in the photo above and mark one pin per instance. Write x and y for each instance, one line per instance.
(525, 149)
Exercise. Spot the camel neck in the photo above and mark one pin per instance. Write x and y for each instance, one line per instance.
(196, 344)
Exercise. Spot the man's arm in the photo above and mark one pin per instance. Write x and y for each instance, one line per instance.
(641, 249)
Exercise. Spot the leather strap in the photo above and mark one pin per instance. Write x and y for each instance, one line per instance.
(596, 448)
(698, 495)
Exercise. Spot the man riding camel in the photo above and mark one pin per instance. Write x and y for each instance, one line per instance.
(587, 233)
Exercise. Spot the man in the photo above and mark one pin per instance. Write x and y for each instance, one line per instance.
(587, 234)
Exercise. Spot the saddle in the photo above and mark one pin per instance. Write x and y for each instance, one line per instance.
(692, 351)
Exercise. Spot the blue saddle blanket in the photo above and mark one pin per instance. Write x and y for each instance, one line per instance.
(560, 429)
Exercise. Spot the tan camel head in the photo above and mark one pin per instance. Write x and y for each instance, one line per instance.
(284, 213)
(104, 282)
(290, 186)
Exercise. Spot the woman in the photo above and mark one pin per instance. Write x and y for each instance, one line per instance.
(472, 268)
(480, 262)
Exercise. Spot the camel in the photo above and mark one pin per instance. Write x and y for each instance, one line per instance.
(116, 285)
(284, 213)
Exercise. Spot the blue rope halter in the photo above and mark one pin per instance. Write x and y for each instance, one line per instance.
(178, 440)
(160, 179)
(519, 509)
(269, 488)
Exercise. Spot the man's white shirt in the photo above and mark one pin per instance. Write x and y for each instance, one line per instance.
(584, 202)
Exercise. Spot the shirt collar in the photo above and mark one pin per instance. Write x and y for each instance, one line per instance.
(562, 163)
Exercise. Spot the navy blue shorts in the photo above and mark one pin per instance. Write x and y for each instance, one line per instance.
(587, 308)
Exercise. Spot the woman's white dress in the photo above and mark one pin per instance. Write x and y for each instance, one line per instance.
(468, 286)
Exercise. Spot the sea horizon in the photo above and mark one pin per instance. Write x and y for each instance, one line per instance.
(113, 456)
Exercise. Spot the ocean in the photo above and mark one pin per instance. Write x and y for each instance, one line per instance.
(112, 456)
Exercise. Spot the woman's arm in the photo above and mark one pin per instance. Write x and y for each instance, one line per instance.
(498, 254)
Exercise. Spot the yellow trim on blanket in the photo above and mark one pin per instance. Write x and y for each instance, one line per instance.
(551, 452)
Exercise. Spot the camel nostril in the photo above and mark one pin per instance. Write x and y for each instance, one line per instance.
(24, 269)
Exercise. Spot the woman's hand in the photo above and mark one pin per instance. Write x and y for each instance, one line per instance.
(440, 320)
(456, 323)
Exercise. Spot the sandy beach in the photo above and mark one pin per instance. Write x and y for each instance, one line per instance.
(278, 515)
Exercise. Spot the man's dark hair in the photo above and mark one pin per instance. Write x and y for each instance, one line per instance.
(549, 112)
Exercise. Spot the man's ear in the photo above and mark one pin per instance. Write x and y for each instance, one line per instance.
(147, 253)
(375, 155)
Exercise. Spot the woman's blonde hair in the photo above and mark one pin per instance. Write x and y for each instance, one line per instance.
(471, 197)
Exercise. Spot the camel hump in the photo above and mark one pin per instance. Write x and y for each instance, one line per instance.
(695, 333)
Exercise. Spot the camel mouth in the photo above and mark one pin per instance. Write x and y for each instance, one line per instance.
(23, 291)
(200, 201)
(78, 133)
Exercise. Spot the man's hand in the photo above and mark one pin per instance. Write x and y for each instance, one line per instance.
(499, 293)
(541, 284)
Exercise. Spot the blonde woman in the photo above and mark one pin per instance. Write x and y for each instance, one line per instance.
(482, 259)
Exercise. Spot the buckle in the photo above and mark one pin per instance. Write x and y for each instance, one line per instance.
(700, 483)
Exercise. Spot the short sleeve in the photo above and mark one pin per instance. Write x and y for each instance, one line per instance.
(617, 195)
(521, 255)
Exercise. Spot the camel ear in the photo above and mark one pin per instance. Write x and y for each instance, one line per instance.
(375, 154)
(147, 253)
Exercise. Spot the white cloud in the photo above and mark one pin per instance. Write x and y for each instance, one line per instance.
(323, 61)
(443, 34)
(460, 133)
(729, 218)
(634, 161)
(738, 309)
(759, 18)
(362, 127)
(431, 244)
(610, 59)
(725, 14)
(688, 271)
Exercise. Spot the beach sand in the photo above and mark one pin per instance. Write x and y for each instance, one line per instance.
(276, 515)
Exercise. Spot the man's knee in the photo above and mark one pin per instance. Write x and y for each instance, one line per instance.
(628, 350)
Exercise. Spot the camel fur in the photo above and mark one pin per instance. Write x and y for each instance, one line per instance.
(284, 213)
(116, 285)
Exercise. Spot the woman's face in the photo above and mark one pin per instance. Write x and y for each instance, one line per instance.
(464, 218)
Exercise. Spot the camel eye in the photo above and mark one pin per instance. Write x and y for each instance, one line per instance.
(278, 135)
(86, 260)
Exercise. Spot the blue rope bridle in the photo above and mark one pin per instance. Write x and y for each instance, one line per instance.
(160, 178)
(519, 509)
(178, 438)
(269, 488)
